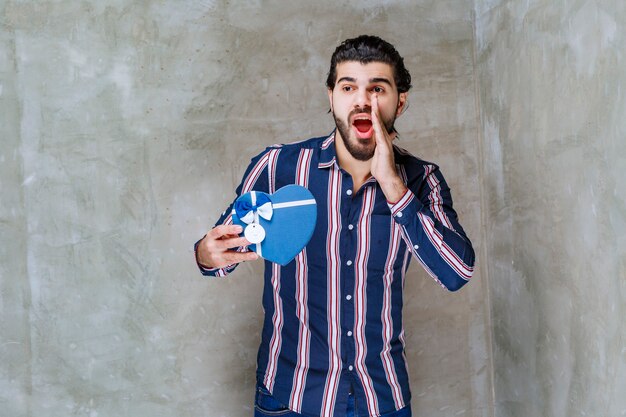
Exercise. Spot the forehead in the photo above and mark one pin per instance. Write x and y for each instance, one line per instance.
(365, 72)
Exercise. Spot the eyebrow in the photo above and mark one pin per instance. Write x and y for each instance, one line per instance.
(380, 80)
(371, 81)
(348, 79)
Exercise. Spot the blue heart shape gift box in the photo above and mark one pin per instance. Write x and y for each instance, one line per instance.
(282, 222)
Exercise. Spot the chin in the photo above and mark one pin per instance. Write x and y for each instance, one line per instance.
(360, 152)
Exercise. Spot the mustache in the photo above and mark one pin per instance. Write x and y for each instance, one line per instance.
(359, 110)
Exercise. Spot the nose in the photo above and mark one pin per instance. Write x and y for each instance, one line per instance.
(362, 98)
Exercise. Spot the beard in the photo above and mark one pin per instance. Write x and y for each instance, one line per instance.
(360, 150)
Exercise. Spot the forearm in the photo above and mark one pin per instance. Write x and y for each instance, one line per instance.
(446, 254)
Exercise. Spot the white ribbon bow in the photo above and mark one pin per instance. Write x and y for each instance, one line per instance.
(265, 210)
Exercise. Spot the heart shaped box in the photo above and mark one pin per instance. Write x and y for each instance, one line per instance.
(293, 218)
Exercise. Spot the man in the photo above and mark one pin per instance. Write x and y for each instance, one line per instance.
(332, 341)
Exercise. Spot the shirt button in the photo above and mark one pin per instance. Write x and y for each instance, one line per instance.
(349, 333)
(349, 263)
(350, 227)
(348, 297)
(350, 367)
(399, 214)
(349, 192)
(416, 247)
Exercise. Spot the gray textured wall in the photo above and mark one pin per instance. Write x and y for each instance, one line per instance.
(125, 127)
(552, 76)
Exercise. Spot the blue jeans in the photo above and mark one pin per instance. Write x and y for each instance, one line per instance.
(267, 406)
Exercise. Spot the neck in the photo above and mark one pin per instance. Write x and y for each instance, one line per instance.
(360, 171)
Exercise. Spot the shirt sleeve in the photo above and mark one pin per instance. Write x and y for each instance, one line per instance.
(431, 229)
(255, 178)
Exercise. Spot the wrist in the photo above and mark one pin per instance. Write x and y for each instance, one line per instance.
(201, 259)
(202, 263)
(394, 189)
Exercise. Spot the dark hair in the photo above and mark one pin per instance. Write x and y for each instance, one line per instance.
(366, 49)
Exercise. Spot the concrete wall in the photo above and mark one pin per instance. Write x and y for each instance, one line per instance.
(125, 126)
(125, 129)
(551, 87)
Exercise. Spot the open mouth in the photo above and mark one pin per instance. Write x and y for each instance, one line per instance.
(363, 127)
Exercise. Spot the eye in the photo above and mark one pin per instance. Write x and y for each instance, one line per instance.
(346, 88)
(378, 89)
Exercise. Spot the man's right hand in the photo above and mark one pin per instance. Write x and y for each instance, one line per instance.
(213, 250)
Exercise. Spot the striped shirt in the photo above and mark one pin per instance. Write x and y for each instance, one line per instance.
(333, 316)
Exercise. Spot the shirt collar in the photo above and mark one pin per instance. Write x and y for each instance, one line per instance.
(328, 156)
(328, 153)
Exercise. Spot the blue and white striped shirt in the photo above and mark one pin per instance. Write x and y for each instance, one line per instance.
(333, 316)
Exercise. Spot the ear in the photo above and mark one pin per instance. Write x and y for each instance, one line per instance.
(402, 100)
(330, 98)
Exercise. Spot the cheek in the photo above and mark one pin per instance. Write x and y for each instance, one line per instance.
(388, 111)
(339, 107)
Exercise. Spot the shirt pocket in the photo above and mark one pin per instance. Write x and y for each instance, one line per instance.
(382, 243)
